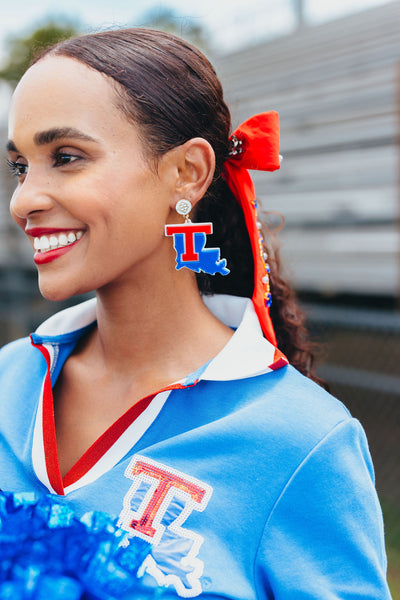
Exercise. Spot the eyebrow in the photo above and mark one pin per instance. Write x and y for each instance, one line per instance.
(47, 137)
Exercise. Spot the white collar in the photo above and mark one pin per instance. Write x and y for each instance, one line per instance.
(247, 353)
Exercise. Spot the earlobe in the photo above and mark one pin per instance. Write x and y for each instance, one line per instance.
(196, 169)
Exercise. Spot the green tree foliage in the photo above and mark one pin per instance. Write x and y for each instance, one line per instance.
(166, 19)
(24, 49)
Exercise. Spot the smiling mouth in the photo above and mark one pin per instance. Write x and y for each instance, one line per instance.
(46, 243)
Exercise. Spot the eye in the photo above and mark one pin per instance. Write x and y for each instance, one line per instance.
(63, 158)
(17, 169)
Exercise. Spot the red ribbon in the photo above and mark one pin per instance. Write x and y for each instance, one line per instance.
(256, 146)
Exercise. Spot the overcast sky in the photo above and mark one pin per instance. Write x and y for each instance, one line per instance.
(231, 23)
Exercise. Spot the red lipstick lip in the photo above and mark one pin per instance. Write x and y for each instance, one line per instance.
(39, 231)
(42, 258)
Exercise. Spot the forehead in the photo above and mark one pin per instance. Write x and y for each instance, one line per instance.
(59, 89)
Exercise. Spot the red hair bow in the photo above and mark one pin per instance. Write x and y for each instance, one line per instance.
(255, 145)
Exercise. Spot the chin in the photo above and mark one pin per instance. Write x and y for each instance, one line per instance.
(54, 295)
(56, 292)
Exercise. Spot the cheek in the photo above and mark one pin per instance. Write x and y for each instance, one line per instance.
(138, 202)
(125, 204)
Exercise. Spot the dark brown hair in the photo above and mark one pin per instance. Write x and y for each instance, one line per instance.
(170, 91)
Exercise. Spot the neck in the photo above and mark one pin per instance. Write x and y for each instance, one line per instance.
(162, 335)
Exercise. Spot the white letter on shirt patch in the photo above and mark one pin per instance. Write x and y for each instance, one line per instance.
(158, 502)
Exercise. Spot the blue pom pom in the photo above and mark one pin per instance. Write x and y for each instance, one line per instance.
(47, 552)
(11, 590)
(58, 588)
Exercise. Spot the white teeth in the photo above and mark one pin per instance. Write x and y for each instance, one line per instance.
(62, 240)
(45, 243)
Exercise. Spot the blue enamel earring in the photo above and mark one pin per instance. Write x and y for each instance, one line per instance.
(189, 240)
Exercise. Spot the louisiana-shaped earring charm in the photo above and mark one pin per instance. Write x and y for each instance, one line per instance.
(189, 240)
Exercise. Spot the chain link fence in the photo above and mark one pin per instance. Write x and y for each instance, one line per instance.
(360, 362)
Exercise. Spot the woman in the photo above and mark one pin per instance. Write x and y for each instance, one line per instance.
(170, 408)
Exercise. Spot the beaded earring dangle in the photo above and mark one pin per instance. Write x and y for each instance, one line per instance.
(189, 240)
(264, 258)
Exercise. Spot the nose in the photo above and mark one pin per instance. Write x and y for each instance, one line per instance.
(30, 197)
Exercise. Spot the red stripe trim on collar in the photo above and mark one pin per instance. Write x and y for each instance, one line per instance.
(111, 435)
(105, 441)
(99, 447)
(280, 360)
(49, 430)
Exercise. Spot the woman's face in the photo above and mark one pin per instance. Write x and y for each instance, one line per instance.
(92, 207)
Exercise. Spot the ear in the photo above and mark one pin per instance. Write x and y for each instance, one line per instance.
(194, 166)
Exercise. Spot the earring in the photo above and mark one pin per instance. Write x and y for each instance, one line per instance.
(189, 240)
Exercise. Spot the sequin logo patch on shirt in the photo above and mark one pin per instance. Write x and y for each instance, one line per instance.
(157, 504)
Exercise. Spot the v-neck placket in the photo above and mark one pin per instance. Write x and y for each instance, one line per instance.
(108, 449)
(247, 354)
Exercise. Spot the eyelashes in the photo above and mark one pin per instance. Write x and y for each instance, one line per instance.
(63, 158)
(17, 169)
(59, 159)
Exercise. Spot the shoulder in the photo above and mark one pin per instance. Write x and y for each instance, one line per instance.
(14, 350)
(16, 360)
(288, 405)
(275, 419)
(303, 399)
(21, 372)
